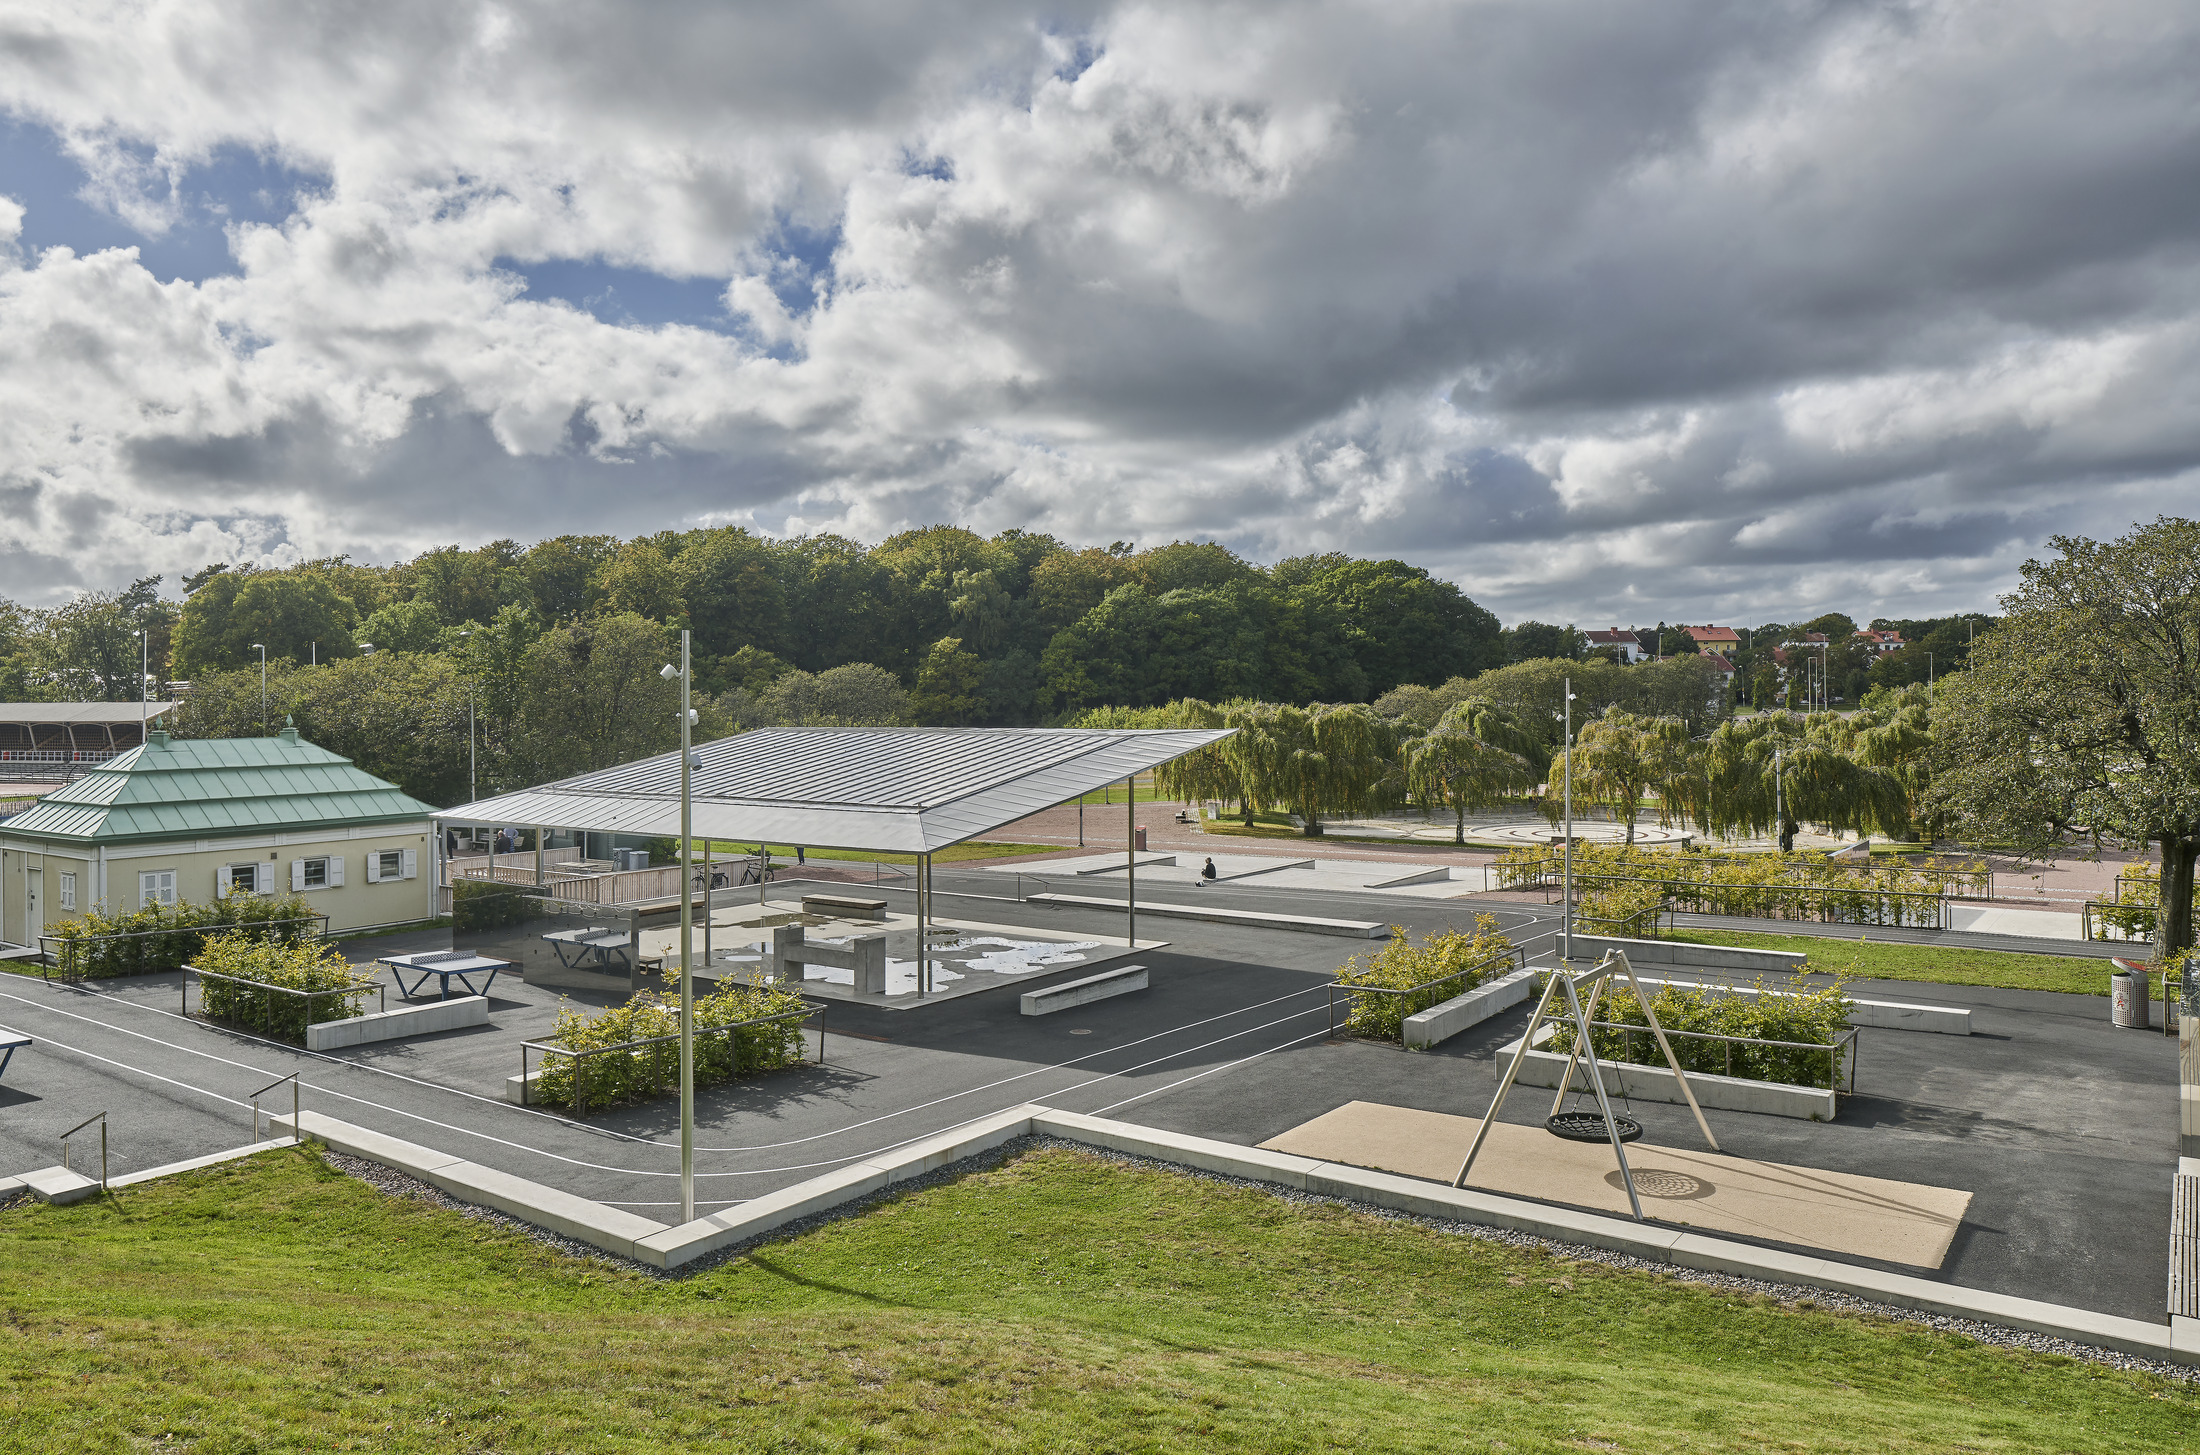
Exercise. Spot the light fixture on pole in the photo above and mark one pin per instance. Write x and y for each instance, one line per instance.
(145, 672)
(687, 940)
(473, 692)
(263, 687)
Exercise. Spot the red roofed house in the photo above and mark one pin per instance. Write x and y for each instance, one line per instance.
(1629, 644)
(1720, 641)
(1882, 643)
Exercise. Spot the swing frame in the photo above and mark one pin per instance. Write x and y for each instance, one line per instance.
(1614, 963)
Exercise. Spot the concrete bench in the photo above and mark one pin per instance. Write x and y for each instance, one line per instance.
(10, 1042)
(1049, 999)
(395, 1025)
(2184, 1247)
(1439, 1023)
(843, 906)
(865, 955)
(1891, 1015)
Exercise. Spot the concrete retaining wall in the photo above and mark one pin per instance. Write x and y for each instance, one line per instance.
(1656, 1083)
(396, 1025)
(1439, 1023)
(1251, 919)
(1107, 983)
(1680, 952)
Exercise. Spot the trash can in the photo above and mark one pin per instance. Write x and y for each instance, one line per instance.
(2127, 990)
(1140, 839)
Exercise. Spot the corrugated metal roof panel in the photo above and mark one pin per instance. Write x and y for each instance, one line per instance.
(903, 790)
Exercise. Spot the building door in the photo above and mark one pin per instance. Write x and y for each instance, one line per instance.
(35, 905)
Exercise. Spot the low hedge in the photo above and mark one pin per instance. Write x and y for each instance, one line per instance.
(1444, 965)
(1797, 1012)
(166, 937)
(337, 992)
(651, 1071)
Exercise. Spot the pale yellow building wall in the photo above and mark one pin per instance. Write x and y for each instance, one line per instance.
(355, 905)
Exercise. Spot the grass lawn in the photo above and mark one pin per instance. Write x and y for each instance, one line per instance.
(1058, 1303)
(978, 849)
(1869, 959)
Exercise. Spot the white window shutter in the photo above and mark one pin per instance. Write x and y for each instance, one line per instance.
(263, 878)
(221, 885)
(412, 864)
(336, 871)
(297, 875)
(374, 867)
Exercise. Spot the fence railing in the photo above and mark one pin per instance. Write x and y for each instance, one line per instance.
(80, 953)
(101, 1118)
(1546, 870)
(1833, 1049)
(270, 1021)
(653, 1059)
(1835, 904)
(1427, 993)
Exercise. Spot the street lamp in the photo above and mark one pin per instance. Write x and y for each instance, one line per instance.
(473, 690)
(263, 687)
(1566, 930)
(1928, 669)
(687, 940)
(145, 687)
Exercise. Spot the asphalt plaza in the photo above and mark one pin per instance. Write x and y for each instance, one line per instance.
(2061, 1128)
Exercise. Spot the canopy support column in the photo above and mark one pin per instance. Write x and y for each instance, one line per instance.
(1130, 854)
(924, 921)
(540, 878)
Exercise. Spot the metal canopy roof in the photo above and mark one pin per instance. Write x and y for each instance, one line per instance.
(215, 788)
(888, 790)
(80, 714)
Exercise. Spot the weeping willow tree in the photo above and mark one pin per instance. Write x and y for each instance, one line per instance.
(1475, 753)
(1212, 771)
(1778, 771)
(1313, 760)
(1898, 741)
(1621, 756)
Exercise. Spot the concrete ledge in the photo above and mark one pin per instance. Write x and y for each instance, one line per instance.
(395, 1025)
(1439, 1023)
(10, 1186)
(1144, 860)
(1680, 952)
(671, 1247)
(1423, 876)
(1083, 992)
(1251, 919)
(516, 1089)
(1891, 1015)
(1208, 1156)
(193, 1164)
(1656, 1083)
(1276, 867)
(59, 1186)
(408, 1157)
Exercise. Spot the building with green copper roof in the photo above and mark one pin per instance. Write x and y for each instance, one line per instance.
(203, 818)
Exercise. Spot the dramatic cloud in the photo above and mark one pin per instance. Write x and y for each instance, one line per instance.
(1737, 310)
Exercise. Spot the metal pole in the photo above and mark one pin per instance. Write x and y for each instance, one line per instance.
(1779, 802)
(473, 795)
(1566, 929)
(924, 864)
(1512, 1073)
(1130, 854)
(687, 942)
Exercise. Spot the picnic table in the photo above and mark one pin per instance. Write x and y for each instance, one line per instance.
(443, 966)
(9, 1041)
(573, 946)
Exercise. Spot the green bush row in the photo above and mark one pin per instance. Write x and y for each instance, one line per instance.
(651, 1071)
(1444, 965)
(1817, 1017)
(1614, 883)
(165, 937)
(255, 972)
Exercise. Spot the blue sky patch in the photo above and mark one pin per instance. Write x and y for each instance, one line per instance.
(625, 296)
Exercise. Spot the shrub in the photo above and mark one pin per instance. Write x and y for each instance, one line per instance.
(256, 971)
(1797, 1012)
(160, 937)
(653, 1070)
(1614, 882)
(1446, 964)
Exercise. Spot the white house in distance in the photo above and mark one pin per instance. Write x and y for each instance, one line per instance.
(201, 818)
(1629, 645)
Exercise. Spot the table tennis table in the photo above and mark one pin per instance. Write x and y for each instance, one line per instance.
(573, 946)
(443, 966)
(9, 1042)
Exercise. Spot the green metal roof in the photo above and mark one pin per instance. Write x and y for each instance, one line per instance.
(214, 788)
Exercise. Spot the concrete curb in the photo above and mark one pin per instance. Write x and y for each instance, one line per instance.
(395, 1025)
(1251, 919)
(193, 1164)
(1439, 1023)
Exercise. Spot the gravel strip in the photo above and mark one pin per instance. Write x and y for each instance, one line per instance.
(398, 1184)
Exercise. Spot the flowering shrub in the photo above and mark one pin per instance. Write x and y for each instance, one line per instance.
(164, 937)
(1444, 965)
(648, 1071)
(1817, 1017)
(257, 971)
(1613, 884)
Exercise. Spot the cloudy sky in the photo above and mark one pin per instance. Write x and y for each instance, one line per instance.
(1606, 310)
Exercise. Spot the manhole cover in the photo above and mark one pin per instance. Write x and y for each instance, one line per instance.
(1658, 1182)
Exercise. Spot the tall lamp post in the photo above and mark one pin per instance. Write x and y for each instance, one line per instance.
(263, 687)
(687, 941)
(1566, 932)
(145, 671)
(473, 691)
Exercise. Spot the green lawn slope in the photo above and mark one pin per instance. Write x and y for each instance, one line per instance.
(1059, 1303)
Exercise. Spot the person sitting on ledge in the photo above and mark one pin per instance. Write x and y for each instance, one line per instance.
(1207, 872)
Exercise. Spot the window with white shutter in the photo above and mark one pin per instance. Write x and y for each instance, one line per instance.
(335, 871)
(412, 864)
(156, 887)
(297, 876)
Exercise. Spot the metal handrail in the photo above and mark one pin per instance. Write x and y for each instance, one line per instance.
(1046, 886)
(815, 1008)
(365, 983)
(101, 1118)
(297, 1132)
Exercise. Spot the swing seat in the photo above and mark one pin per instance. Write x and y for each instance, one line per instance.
(1588, 1126)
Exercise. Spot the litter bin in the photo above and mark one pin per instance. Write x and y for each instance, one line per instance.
(1141, 841)
(2127, 990)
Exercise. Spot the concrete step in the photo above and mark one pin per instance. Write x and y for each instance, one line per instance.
(59, 1185)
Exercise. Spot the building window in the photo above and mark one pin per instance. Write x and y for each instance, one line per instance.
(315, 874)
(156, 887)
(68, 892)
(237, 879)
(392, 864)
(326, 872)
